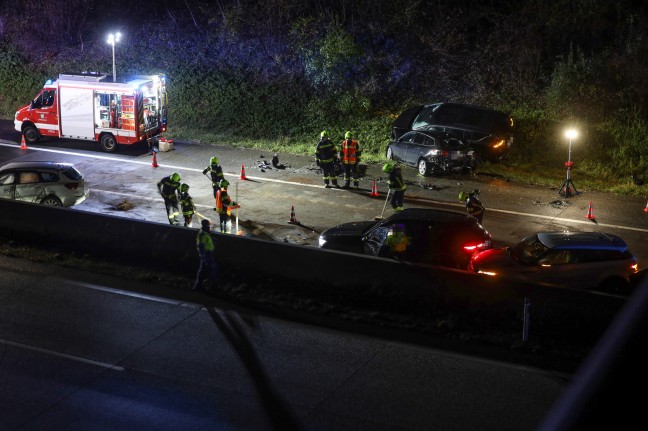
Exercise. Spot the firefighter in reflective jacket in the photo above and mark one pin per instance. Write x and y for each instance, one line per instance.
(168, 188)
(186, 205)
(224, 205)
(325, 156)
(216, 174)
(396, 184)
(205, 246)
(474, 206)
(350, 156)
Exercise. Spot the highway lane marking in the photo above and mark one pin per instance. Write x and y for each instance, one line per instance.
(517, 213)
(129, 293)
(62, 355)
(138, 162)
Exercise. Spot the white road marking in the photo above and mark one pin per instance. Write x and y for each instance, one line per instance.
(101, 157)
(61, 355)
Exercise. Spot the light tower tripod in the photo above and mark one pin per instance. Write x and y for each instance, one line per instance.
(568, 188)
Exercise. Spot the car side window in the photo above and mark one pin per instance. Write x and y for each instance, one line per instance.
(7, 178)
(28, 178)
(419, 139)
(557, 257)
(428, 141)
(49, 177)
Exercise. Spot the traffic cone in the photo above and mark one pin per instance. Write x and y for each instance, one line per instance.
(292, 220)
(243, 177)
(374, 190)
(646, 209)
(154, 163)
(589, 212)
(23, 144)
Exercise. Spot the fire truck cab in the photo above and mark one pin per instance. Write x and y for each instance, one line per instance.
(92, 107)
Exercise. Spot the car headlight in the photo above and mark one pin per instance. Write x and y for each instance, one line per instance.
(321, 241)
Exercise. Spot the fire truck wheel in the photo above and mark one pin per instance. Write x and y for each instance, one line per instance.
(108, 143)
(31, 134)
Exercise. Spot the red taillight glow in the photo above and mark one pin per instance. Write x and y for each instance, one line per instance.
(472, 248)
(634, 267)
(72, 186)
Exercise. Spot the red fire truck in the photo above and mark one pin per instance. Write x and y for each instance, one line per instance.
(92, 107)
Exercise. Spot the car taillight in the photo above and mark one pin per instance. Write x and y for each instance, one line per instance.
(475, 247)
(72, 186)
(499, 144)
(441, 153)
(634, 267)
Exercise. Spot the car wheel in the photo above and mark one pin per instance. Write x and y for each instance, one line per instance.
(108, 143)
(31, 135)
(390, 154)
(52, 201)
(423, 167)
(614, 285)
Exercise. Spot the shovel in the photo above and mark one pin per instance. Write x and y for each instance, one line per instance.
(380, 217)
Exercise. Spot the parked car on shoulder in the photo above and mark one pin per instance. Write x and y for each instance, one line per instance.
(47, 183)
(488, 131)
(418, 235)
(585, 260)
(431, 152)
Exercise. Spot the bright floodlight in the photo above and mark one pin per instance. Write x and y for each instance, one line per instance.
(112, 40)
(571, 134)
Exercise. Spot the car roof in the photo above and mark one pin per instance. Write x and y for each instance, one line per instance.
(582, 240)
(36, 165)
(429, 215)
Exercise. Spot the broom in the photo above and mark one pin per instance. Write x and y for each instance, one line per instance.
(380, 217)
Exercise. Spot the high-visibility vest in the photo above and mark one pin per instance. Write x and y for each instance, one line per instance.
(350, 151)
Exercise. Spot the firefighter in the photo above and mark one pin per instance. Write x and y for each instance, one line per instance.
(397, 241)
(350, 156)
(216, 174)
(326, 156)
(169, 189)
(396, 185)
(474, 206)
(224, 205)
(205, 247)
(186, 205)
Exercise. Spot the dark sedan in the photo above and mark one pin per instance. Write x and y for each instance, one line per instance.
(431, 152)
(489, 132)
(427, 236)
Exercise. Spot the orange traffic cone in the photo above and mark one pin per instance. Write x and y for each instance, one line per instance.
(374, 190)
(23, 144)
(589, 212)
(154, 164)
(292, 220)
(646, 209)
(243, 177)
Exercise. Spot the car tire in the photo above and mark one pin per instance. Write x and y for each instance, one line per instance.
(108, 143)
(31, 135)
(423, 167)
(52, 201)
(390, 154)
(616, 285)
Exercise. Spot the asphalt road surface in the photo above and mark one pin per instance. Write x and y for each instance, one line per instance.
(124, 184)
(81, 351)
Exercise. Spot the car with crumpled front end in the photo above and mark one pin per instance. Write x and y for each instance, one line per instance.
(43, 182)
(431, 152)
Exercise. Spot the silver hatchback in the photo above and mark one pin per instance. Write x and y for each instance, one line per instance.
(47, 183)
(586, 260)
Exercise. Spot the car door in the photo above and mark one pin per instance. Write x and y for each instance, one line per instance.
(419, 148)
(7, 186)
(45, 106)
(29, 187)
(399, 148)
